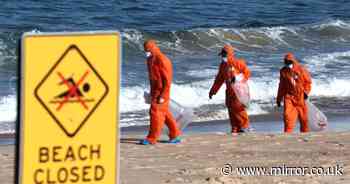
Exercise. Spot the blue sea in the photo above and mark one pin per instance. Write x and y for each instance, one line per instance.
(191, 33)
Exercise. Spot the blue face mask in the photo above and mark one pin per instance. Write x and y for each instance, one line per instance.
(148, 54)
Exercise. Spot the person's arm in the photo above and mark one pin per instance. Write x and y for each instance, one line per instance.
(281, 89)
(244, 70)
(149, 77)
(307, 81)
(219, 80)
(165, 73)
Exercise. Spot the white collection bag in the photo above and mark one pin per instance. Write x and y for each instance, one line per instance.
(183, 115)
(317, 120)
(242, 92)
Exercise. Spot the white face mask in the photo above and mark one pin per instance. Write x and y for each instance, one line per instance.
(148, 54)
(224, 59)
(290, 66)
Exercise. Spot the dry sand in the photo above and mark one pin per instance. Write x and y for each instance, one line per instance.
(7, 164)
(199, 158)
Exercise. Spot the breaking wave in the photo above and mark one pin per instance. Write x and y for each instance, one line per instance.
(246, 39)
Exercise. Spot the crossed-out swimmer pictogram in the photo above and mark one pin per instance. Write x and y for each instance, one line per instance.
(72, 90)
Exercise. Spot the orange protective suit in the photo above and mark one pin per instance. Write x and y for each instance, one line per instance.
(294, 87)
(160, 76)
(238, 116)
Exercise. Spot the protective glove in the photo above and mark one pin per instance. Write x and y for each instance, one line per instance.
(211, 94)
(233, 80)
(278, 104)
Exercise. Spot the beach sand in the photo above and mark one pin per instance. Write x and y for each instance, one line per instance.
(7, 168)
(200, 157)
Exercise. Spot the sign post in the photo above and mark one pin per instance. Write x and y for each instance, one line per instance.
(69, 120)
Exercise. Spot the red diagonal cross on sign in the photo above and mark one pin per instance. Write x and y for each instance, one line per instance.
(72, 91)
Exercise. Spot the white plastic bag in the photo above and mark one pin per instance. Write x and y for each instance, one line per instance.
(242, 92)
(183, 115)
(317, 120)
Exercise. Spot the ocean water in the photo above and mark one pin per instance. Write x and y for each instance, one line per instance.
(191, 33)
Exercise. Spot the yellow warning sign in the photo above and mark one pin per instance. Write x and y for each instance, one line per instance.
(69, 108)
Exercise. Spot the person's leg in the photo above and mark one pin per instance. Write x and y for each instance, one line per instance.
(157, 118)
(171, 123)
(290, 116)
(243, 120)
(233, 120)
(303, 118)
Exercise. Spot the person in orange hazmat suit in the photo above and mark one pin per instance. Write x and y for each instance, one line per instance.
(232, 70)
(294, 88)
(160, 77)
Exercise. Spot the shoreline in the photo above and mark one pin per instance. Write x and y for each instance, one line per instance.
(260, 124)
(266, 123)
